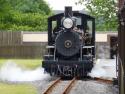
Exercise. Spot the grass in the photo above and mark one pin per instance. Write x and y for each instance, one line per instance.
(25, 63)
(17, 89)
(20, 88)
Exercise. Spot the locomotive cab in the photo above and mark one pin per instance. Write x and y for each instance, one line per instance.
(71, 44)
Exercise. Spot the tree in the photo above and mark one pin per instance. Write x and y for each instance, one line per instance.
(30, 6)
(104, 12)
(26, 15)
(4, 8)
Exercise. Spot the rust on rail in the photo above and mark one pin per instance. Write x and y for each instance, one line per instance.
(70, 85)
(104, 80)
(49, 89)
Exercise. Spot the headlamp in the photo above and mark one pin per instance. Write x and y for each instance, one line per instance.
(68, 23)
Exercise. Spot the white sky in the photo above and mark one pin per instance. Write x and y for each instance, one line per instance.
(60, 4)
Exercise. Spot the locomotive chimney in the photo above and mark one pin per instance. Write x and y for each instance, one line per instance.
(68, 11)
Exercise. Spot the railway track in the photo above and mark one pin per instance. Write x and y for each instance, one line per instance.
(103, 80)
(66, 89)
(67, 85)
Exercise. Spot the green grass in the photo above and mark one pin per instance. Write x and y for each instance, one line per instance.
(17, 89)
(25, 63)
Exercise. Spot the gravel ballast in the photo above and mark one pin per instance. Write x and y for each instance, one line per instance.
(92, 87)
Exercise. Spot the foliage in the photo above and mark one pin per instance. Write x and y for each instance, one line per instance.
(24, 15)
(30, 6)
(24, 21)
(104, 12)
(4, 8)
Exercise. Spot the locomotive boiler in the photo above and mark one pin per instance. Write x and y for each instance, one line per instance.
(71, 44)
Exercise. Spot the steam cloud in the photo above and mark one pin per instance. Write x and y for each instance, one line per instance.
(104, 68)
(11, 72)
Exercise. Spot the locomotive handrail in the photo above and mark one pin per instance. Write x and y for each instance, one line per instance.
(88, 55)
(49, 47)
(88, 46)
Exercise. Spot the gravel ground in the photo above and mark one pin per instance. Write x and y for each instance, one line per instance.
(60, 87)
(43, 85)
(92, 87)
(80, 87)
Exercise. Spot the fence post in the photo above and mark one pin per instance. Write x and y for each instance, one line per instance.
(121, 49)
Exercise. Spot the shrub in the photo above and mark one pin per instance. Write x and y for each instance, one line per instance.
(24, 21)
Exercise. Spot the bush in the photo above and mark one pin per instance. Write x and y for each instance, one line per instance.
(24, 21)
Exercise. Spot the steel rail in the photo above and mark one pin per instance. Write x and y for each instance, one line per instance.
(49, 89)
(69, 86)
(103, 80)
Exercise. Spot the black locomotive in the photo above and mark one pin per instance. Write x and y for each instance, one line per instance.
(71, 44)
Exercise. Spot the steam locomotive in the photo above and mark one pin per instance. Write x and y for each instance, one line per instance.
(71, 44)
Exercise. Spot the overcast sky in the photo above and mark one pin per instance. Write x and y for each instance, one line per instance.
(60, 4)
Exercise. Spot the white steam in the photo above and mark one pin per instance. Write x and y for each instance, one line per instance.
(11, 72)
(103, 51)
(104, 68)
